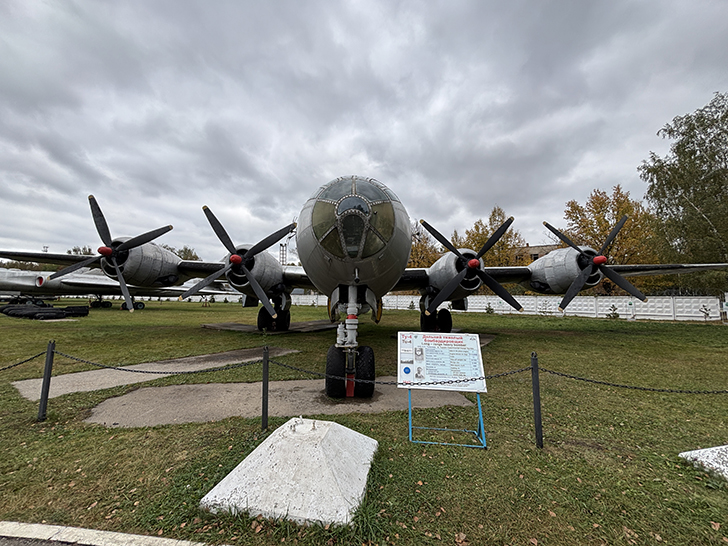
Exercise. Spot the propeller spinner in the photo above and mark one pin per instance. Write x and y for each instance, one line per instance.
(238, 260)
(111, 250)
(471, 265)
(594, 264)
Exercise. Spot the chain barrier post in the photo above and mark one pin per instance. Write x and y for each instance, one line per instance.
(46, 387)
(264, 409)
(536, 400)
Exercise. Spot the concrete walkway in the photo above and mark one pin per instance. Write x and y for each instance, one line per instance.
(104, 378)
(199, 403)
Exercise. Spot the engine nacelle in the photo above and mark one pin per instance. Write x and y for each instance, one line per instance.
(265, 268)
(145, 265)
(449, 266)
(554, 273)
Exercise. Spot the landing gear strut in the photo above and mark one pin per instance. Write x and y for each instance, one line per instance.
(138, 305)
(347, 361)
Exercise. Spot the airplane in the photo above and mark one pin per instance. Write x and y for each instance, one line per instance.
(354, 239)
(33, 286)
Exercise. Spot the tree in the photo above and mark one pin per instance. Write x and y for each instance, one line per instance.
(503, 253)
(186, 253)
(424, 251)
(591, 223)
(688, 190)
(84, 250)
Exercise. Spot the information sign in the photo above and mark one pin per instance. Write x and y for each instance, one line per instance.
(426, 357)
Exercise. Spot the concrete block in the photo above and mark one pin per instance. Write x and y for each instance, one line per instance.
(306, 471)
(712, 459)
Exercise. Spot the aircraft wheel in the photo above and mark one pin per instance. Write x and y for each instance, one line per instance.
(124, 307)
(428, 323)
(282, 322)
(364, 370)
(105, 304)
(265, 321)
(336, 366)
(95, 304)
(139, 305)
(444, 321)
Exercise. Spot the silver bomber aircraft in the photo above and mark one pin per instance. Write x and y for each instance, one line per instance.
(353, 238)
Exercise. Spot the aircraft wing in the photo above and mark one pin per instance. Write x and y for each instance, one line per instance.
(43, 257)
(663, 269)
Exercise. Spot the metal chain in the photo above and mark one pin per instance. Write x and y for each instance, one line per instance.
(423, 383)
(651, 389)
(23, 362)
(122, 369)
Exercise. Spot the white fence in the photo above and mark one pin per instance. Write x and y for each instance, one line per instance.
(625, 307)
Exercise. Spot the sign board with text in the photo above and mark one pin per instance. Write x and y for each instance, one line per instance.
(427, 360)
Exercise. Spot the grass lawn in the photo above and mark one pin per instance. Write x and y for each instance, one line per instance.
(608, 474)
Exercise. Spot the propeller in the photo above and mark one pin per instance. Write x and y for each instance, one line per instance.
(111, 251)
(594, 264)
(240, 261)
(471, 265)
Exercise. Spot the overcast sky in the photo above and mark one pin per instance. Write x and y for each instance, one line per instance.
(160, 107)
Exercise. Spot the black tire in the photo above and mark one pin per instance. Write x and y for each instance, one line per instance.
(95, 304)
(124, 307)
(76, 311)
(282, 321)
(336, 366)
(364, 370)
(49, 314)
(265, 321)
(139, 305)
(444, 321)
(428, 323)
(105, 304)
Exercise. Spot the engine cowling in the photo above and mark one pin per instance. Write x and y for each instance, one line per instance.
(554, 273)
(145, 265)
(264, 267)
(449, 266)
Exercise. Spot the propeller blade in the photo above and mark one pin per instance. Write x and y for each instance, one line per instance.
(446, 292)
(496, 287)
(270, 240)
(493, 239)
(207, 280)
(623, 283)
(219, 230)
(101, 226)
(144, 238)
(613, 234)
(576, 285)
(124, 288)
(443, 241)
(561, 236)
(74, 267)
(259, 292)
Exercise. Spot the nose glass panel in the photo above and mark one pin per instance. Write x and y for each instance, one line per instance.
(353, 203)
(352, 231)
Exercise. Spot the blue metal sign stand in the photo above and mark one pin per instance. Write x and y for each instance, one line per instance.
(479, 434)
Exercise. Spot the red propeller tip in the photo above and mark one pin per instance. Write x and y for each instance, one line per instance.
(236, 259)
(474, 264)
(105, 251)
(600, 260)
